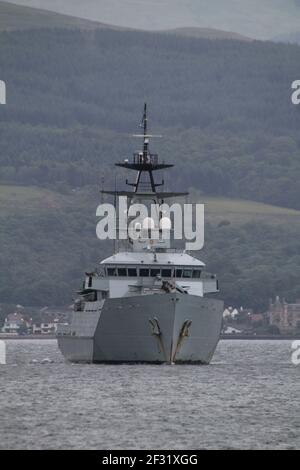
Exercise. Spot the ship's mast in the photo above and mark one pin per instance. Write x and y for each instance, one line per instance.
(145, 162)
(145, 125)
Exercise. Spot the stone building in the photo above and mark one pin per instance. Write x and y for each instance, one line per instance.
(285, 316)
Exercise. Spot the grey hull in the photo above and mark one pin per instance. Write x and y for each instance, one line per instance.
(168, 328)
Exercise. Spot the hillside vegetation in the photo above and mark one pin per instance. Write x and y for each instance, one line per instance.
(224, 109)
(207, 33)
(48, 240)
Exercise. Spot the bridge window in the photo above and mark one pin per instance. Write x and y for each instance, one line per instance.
(187, 273)
(111, 271)
(196, 274)
(155, 272)
(166, 272)
(122, 272)
(132, 272)
(144, 272)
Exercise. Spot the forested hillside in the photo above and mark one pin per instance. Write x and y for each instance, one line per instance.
(48, 241)
(225, 112)
(223, 107)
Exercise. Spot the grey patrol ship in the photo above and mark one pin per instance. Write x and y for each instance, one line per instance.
(146, 303)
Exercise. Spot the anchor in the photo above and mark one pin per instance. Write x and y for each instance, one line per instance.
(155, 326)
(184, 333)
(156, 331)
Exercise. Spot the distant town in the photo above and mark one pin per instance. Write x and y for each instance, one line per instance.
(32, 322)
(281, 320)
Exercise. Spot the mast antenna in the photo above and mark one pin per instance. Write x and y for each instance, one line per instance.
(144, 125)
(144, 121)
(145, 162)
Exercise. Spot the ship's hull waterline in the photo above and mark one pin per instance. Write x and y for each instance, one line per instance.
(157, 329)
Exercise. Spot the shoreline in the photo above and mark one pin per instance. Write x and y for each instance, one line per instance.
(26, 337)
(222, 337)
(260, 337)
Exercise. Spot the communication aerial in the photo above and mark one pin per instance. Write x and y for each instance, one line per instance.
(145, 162)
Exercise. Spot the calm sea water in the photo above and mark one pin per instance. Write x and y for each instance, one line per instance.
(248, 398)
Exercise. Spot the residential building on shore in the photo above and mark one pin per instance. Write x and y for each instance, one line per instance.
(14, 324)
(285, 316)
(45, 328)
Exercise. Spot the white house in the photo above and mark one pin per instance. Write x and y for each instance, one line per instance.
(232, 331)
(230, 313)
(14, 322)
(44, 328)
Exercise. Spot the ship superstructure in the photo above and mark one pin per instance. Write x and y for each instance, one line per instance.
(145, 303)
